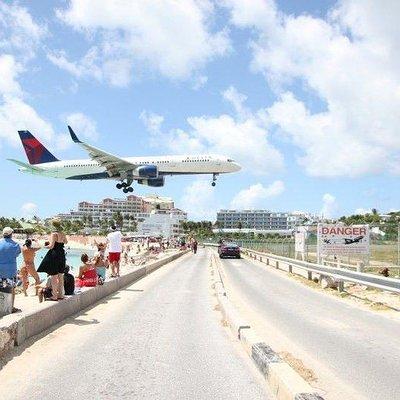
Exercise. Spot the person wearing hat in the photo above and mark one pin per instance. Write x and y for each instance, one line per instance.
(9, 251)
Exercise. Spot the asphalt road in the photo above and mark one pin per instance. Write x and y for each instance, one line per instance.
(359, 350)
(159, 338)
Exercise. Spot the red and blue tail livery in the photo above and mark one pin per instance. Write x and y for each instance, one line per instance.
(35, 151)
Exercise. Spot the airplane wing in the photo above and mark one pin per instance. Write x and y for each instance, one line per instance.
(114, 165)
(32, 168)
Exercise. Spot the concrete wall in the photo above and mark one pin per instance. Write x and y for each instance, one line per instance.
(16, 328)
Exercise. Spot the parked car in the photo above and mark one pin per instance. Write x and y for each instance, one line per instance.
(229, 250)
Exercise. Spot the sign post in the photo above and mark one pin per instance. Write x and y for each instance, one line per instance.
(300, 243)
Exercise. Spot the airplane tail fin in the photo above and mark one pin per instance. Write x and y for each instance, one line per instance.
(35, 151)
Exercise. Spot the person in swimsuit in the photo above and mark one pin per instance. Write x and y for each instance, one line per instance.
(54, 261)
(100, 262)
(28, 266)
(85, 266)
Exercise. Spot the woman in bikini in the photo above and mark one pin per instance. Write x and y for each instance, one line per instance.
(28, 266)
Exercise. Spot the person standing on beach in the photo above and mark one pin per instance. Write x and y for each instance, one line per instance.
(54, 261)
(9, 251)
(28, 267)
(114, 240)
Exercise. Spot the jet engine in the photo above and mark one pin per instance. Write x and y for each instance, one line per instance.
(155, 182)
(146, 171)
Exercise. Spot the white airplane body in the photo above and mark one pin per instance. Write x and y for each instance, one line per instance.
(149, 171)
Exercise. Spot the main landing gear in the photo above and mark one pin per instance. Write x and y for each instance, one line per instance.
(213, 183)
(125, 186)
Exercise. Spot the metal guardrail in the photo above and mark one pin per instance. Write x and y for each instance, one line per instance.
(338, 274)
(359, 266)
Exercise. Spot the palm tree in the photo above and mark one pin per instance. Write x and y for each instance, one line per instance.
(118, 218)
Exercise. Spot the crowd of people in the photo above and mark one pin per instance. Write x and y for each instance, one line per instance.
(60, 282)
(110, 254)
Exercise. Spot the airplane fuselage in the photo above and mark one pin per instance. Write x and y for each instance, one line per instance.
(88, 169)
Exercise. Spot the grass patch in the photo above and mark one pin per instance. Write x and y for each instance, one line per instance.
(378, 306)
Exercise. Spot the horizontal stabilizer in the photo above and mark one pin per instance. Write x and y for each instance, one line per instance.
(30, 167)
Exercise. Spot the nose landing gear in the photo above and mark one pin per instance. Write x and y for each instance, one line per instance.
(213, 183)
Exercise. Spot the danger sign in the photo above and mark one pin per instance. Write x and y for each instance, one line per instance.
(343, 240)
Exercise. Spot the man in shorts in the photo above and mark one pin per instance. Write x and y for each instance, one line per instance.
(114, 240)
(9, 251)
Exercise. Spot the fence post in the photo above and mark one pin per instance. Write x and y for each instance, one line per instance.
(309, 275)
(340, 286)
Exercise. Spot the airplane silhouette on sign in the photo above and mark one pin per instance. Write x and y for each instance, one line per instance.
(346, 241)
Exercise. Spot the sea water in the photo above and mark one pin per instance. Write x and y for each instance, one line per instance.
(73, 259)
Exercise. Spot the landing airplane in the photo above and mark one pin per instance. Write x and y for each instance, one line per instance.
(150, 171)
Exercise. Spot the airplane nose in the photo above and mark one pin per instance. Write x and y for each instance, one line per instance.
(236, 167)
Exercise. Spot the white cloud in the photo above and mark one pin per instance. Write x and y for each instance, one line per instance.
(9, 70)
(199, 201)
(329, 206)
(15, 113)
(29, 209)
(20, 36)
(18, 31)
(85, 67)
(244, 137)
(350, 62)
(82, 124)
(152, 121)
(256, 195)
(199, 82)
(144, 35)
(237, 100)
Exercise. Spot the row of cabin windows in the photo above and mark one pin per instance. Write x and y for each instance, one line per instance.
(145, 162)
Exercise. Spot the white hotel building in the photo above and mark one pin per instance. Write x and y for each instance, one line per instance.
(260, 220)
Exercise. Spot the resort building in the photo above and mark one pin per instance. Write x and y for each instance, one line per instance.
(260, 220)
(127, 212)
(166, 223)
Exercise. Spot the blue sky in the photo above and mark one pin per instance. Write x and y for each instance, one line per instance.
(305, 95)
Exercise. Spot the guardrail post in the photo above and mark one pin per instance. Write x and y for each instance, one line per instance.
(260, 258)
(309, 275)
(277, 264)
(290, 268)
(267, 261)
(340, 286)
(360, 266)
